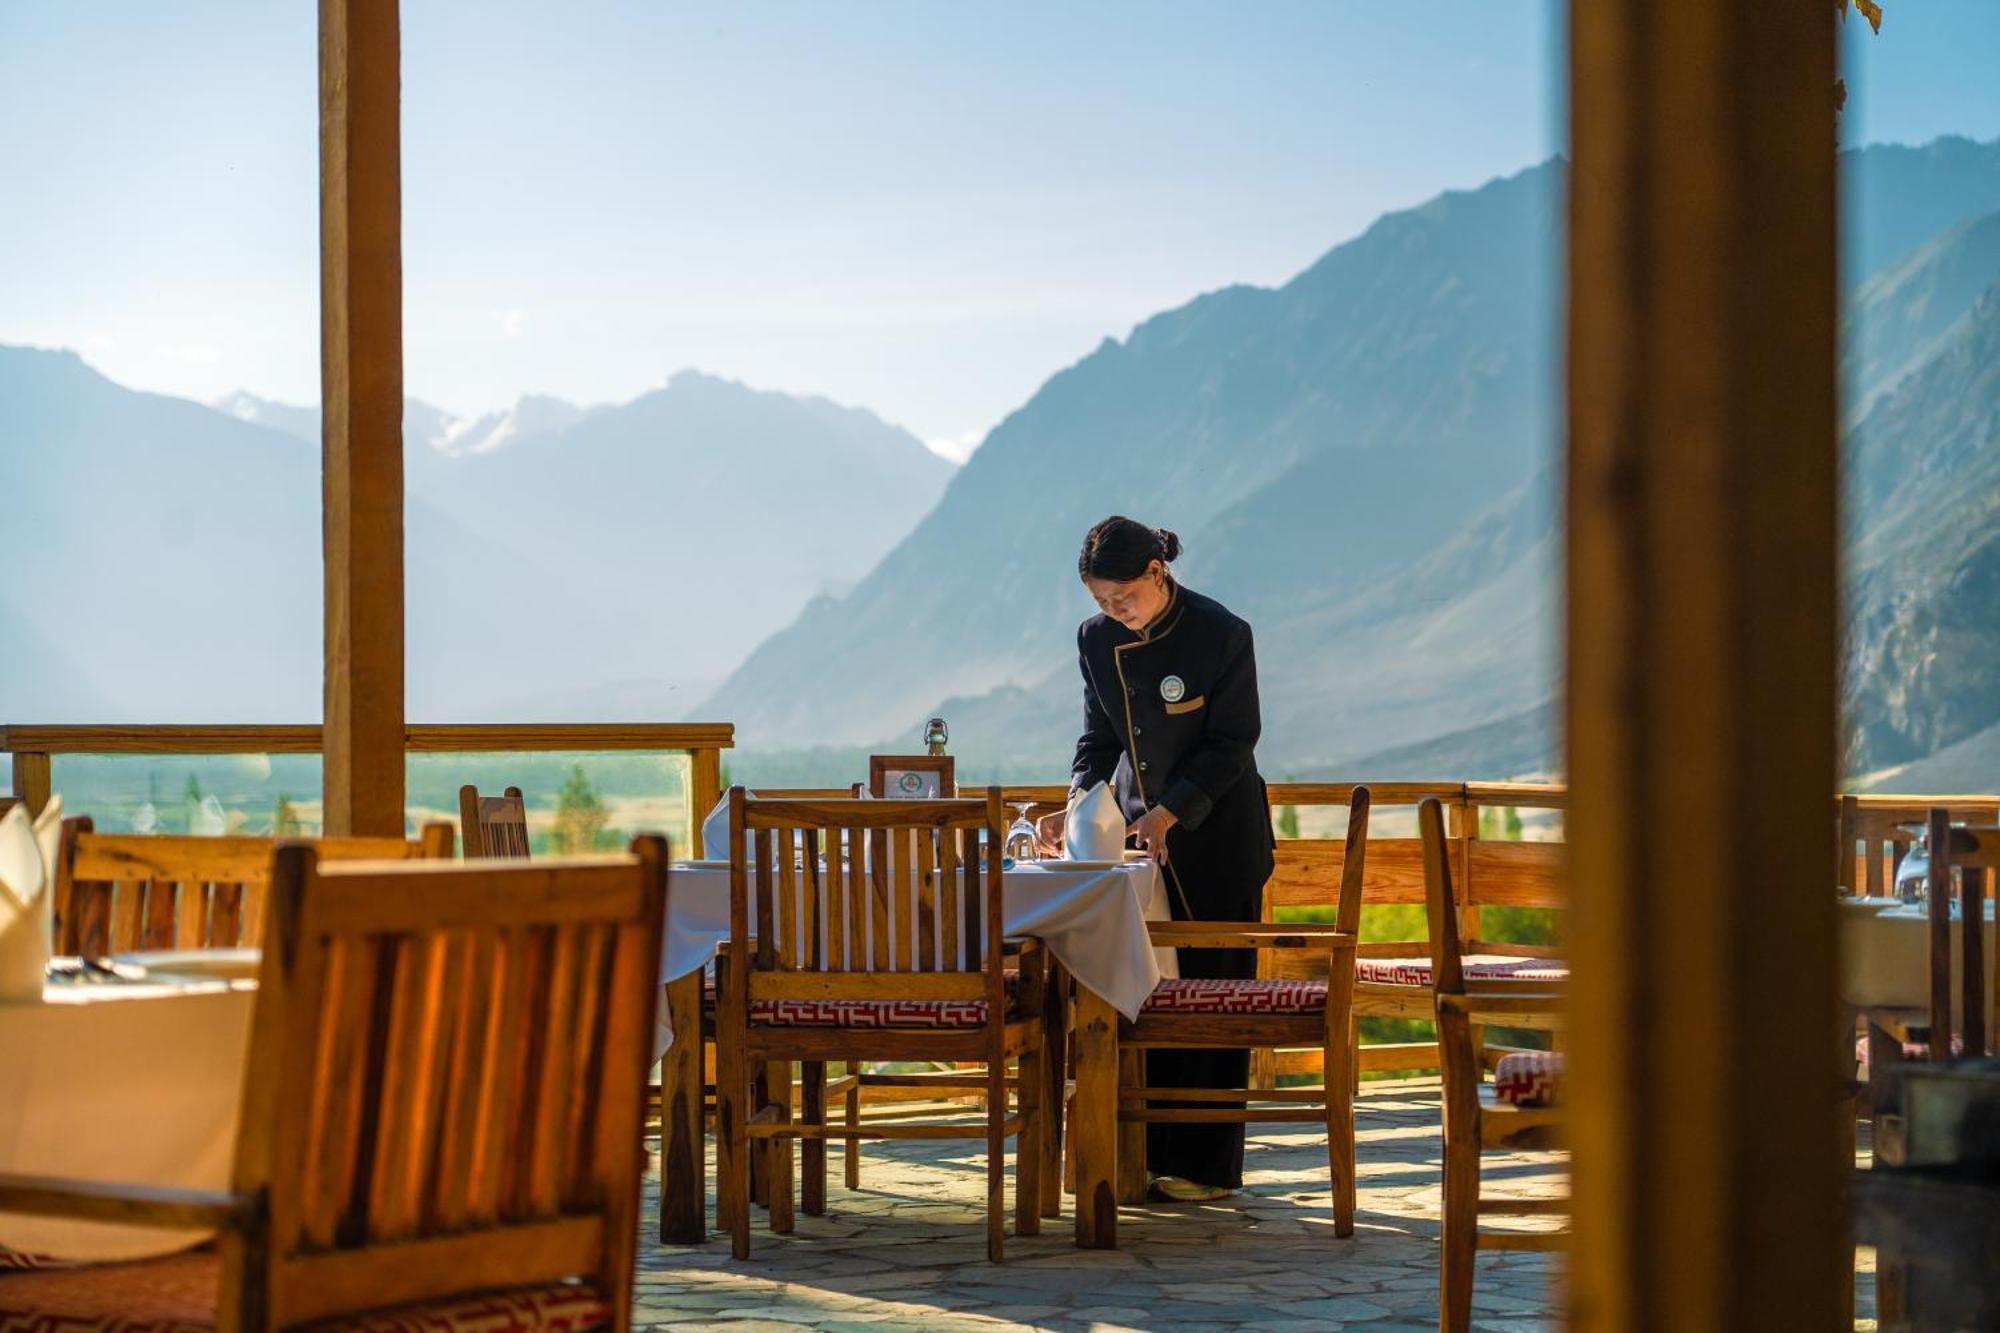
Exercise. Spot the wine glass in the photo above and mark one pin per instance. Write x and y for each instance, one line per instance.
(1021, 840)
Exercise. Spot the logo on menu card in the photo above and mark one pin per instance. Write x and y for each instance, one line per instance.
(1173, 689)
(910, 784)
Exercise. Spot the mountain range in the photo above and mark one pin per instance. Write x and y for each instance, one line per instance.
(586, 564)
(1363, 461)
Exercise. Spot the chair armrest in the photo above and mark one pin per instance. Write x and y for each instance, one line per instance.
(1483, 1003)
(126, 1204)
(1247, 935)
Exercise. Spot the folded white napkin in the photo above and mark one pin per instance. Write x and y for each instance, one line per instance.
(1094, 829)
(715, 831)
(27, 898)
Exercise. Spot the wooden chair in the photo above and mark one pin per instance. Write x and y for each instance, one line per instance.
(116, 892)
(442, 1098)
(888, 949)
(1312, 873)
(1488, 872)
(1519, 1112)
(1194, 1013)
(1874, 833)
(494, 825)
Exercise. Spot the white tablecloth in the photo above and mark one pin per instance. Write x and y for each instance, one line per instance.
(1092, 920)
(136, 1083)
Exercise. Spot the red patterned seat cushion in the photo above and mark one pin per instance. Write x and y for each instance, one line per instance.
(177, 1295)
(1197, 995)
(1529, 1078)
(955, 1014)
(1417, 971)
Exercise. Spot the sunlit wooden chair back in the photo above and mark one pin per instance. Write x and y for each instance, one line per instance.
(446, 1079)
(1474, 1122)
(495, 826)
(1875, 833)
(867, 887)
(117, 892)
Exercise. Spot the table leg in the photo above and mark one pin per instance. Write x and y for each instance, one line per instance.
(1055, 1093)
(1131, 1133)
(1094, 1129)
(683, 1183)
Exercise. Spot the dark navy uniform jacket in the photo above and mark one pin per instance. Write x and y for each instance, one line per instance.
(1170, 718)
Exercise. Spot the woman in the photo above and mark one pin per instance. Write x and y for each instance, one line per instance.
(1170, 719)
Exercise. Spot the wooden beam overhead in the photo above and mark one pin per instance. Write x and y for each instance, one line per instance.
(361, 386)
(1702, 643)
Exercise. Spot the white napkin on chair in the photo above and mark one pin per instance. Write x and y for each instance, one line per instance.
(1094, 829)
(28, 851)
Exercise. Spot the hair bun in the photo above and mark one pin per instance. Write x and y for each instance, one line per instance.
(1170, 544)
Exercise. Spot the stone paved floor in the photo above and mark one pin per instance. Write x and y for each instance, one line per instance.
(908, 1250)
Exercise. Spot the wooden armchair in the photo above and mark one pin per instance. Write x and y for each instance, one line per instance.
(1193, 1013)
(1519, 1112)
(870, 931)
(442, 1099)
(495, 826)
(116, 892)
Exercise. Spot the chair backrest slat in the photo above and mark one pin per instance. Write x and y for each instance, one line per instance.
(453, 1060)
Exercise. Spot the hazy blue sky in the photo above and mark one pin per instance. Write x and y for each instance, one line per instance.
(922, 208)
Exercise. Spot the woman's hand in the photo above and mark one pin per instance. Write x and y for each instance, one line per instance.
(1049, 833)
(1150, 831)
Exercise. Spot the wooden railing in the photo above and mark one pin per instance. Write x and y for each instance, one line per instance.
(34, 748)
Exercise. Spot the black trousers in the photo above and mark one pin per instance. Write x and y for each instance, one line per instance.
(1206, 889)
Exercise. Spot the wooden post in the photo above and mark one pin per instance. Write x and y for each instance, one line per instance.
(32, 778)
(1702, 606)
(704, 790)
(361, 392)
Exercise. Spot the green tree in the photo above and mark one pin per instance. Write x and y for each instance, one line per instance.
(580, 815)
(1288, 821)
(285, 821)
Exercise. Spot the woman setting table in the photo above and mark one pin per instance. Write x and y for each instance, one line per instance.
(1171, 721)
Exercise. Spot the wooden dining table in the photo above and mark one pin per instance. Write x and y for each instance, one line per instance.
(1095, 924)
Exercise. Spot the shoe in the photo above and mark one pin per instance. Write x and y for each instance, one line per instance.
(1173, 1189)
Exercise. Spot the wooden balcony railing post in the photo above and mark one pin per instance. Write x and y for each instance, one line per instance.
(704, 790)
(32, 779)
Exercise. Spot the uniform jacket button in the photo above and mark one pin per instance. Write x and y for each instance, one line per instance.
(1138, 731)
(1142, 766)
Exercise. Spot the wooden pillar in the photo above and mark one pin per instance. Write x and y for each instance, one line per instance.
(704, 790)
(361, 392)
(1701, 666)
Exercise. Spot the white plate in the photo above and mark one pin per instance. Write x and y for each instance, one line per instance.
(702, 865)
(225, 964)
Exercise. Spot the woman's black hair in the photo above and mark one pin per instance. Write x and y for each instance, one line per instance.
(1121, 549)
